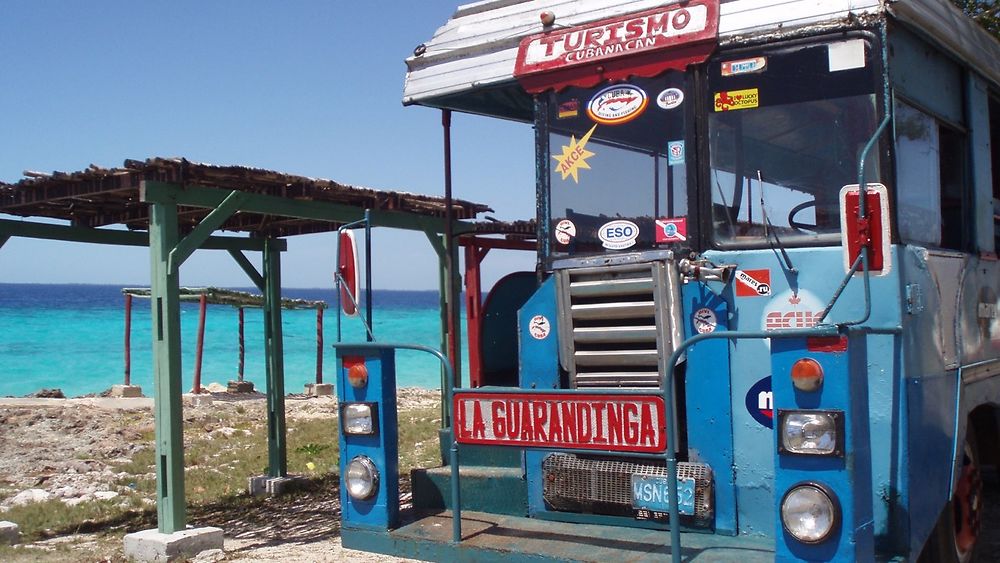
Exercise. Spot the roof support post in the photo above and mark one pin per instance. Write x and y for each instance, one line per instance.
(166, 329)
(197, 237)
(248, 268)
(277, 459)
(449, 287)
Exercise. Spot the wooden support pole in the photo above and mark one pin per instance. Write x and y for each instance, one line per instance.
(242, 346)
(273, 352)
(128, 339)
(319, 344)
(200, 349)
(166, 329)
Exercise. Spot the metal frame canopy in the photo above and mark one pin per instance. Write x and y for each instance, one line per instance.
(181, 204)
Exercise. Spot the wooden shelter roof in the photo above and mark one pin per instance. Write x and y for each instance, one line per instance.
(97, 196)
(235, 298)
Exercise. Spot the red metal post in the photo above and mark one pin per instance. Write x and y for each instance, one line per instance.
(319, 344)
(128, 339)
(201, 343)
(242, 349)
(473, 308)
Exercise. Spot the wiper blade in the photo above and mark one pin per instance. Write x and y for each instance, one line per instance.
(767, 223)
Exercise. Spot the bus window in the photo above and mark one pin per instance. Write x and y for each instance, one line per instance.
(930, 177)
(786, 128)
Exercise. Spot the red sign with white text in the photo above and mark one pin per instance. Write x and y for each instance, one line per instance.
(608, 41)
(632, 423)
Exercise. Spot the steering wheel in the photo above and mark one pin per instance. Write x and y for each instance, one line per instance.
(795, 211)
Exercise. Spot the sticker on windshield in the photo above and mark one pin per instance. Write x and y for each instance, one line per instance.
(671, 230)
(569, 108)
(675, 153)
(737, 99)
(565, 231)
(574, 157)
(617, 104)
(670, 98)
(744, 66)
(618, 235)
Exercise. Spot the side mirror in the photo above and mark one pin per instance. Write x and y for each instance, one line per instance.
(870, 231)
(347, 269)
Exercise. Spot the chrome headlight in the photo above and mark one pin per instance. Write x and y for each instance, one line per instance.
(819, 433)
(810, 513)
(359, 419)
(361, 478)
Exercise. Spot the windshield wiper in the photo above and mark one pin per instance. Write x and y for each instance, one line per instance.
(767, 223)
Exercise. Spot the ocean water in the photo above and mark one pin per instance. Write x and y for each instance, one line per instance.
(71, 337)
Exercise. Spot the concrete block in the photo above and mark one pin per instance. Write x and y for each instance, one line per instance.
(322, 390)
(151, 545)
(240, 387)
(126, 391)
(257, 485)
(280, 485)
(10, 533)
(197, 399)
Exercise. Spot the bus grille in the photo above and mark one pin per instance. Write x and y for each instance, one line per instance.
(603, 486)
(618, 323)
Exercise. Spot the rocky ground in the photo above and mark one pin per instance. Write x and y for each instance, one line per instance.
(68, 449)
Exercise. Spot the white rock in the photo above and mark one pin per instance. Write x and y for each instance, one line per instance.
(209, 556)
(105, 495)
(10, 533)
(29, 496)
(216, 387)
(77, 500)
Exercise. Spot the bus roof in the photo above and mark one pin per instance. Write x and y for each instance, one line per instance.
(469, 63)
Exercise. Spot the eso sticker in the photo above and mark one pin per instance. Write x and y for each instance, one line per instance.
(753, 283)
(792, 310)
(569, 108)
(737, 99)
(675, 153)
(565, 231)
(618, 235)
(617, 104)
(705, 320)
(671, 230)
(538, 327)
(574, 157)
(743, 66)
(670, 98)
(760, 402)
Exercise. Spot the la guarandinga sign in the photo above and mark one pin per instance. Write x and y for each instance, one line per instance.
(632, 423)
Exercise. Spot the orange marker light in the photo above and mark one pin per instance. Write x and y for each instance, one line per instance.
(807, 375)
(357, 372)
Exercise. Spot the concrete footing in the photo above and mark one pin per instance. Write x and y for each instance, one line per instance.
(322, 389)
(126, 391)
(240, 387)
(10, 533)
(273, 486)
(152, 545)
(197, 399)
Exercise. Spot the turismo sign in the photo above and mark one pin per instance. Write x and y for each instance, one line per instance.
(633, 423)
(641, 33)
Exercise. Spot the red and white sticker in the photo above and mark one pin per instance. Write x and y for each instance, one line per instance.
(671, 230)
(705, 320)
(789, 309)
(565, 231)
(539, 327)
(753, 283)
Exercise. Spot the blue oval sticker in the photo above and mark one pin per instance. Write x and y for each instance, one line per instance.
(760, 402)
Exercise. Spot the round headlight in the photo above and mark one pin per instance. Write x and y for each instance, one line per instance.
(361, 479)
(809, 512)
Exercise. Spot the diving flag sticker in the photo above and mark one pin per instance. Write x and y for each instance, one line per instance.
(753, 283)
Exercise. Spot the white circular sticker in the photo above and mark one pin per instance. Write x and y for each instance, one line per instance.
(617, 104)
(705, 320)
(539, 327)
(565, 231)
(670, 98)
(618, 234)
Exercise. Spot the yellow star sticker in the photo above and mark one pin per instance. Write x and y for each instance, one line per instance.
(574, 157)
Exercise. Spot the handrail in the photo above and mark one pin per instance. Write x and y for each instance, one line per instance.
(456, 504)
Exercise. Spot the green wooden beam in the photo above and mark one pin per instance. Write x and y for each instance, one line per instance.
(166, 329)
(248, 267)
(200, 234)
(28, 229)
(201, 196)
(277, 458)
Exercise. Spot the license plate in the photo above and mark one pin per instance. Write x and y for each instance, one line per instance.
(651, 497)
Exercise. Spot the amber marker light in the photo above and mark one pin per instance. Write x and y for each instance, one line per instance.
(357, 372)
(807, 375)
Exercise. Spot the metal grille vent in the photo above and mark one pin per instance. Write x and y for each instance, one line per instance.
(609, 319)
(603, 486)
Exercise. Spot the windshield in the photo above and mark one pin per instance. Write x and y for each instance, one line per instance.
(619, 178)
(786, 128)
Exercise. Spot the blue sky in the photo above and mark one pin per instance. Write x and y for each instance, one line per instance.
(310, 88)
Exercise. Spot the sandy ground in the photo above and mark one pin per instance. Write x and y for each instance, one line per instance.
(67, 449)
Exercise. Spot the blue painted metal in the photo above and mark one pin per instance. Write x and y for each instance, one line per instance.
(539, 361)
(848, 477)
(381, 511)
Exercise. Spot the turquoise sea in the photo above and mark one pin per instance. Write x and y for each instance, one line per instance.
(71, 337)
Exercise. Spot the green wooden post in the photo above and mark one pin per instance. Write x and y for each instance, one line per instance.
(277, 458)
(166, 329)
